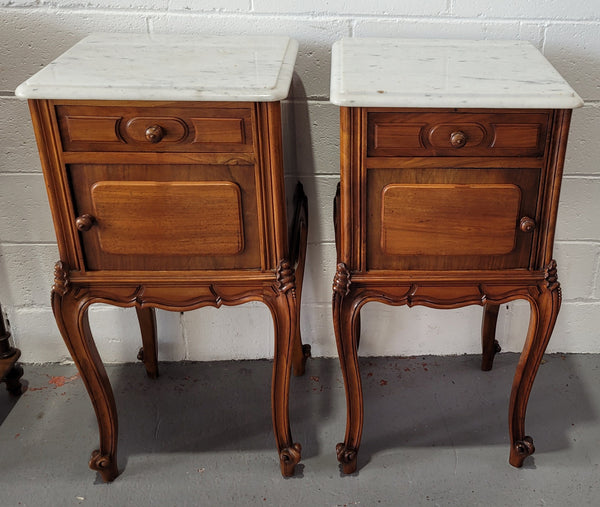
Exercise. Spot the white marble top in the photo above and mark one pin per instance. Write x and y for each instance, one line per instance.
(123, 66)
(445, 73)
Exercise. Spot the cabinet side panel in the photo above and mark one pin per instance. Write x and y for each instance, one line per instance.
(48, 142)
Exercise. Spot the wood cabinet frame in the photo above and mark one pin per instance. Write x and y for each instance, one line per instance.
(276, 282)
(354, 284)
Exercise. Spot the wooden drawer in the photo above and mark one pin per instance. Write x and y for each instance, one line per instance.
(451, 218)
(190, 128)
(422, 134)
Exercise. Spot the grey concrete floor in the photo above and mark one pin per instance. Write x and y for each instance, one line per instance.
(435, 434)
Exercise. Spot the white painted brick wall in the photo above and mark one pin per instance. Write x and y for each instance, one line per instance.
(33, 32)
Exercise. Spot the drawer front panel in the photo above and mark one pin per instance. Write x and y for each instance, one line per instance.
(446, 219)
(157, 217)
(173, 218)
(418, 134)
(156, 129)
(450, 218)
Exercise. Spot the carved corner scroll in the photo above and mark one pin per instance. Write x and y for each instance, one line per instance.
(551, 277)
(61, 279)
(341, 280)
(286, 278)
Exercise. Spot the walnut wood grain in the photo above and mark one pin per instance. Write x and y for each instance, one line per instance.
(489, 345)
(148, 354)
(442, 219)
(192, 215)
(196, 218)
(123, 127)
(461, 133)
(298, 242)
(458, 218)
(421, 220)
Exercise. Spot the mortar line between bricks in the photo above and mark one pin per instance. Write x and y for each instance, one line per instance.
(577, 241)
(310, 98)
(581, 241)
(357, 17)
(581, 301)
(309, 15)
(21, 173)
(317, 175)
(596, 280)
(27, 243)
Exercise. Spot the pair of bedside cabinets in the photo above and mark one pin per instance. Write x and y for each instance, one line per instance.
(163, 154)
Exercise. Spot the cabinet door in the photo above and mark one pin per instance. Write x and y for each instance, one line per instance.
(451, 218)
(157, 217)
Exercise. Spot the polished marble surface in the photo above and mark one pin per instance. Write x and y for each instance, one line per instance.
(118, 66)
(382, 72)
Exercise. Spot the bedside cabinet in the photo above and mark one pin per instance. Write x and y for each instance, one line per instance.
(162, 156)
(451, 163)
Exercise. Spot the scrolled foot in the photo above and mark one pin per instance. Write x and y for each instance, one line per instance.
(347, 456)
(104, 465)
(12, 379)
(520, 450)
(289, 458)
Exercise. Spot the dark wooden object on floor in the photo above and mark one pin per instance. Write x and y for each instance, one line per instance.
(174, 206)
(448, 208)
(10, 370)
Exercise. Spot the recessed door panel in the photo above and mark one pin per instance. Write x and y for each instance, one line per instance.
(450, 218)
(168, 218)
(158, 217)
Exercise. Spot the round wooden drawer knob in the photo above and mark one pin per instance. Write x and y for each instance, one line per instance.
(458, 139)
(154, 133)
(84, 222)
(527, 224)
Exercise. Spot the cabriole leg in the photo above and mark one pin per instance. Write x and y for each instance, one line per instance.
(283, 309)
(545, 305)
(71, 312)
(149, 351)
(346, 325)
(489, 345)
(298, 242)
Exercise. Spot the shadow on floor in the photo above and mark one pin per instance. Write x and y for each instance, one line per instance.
(220, 406)
(450, 402)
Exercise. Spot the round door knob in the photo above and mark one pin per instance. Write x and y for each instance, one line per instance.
(154, 133)
(527, 224)
(84, 222)
(458, 139)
